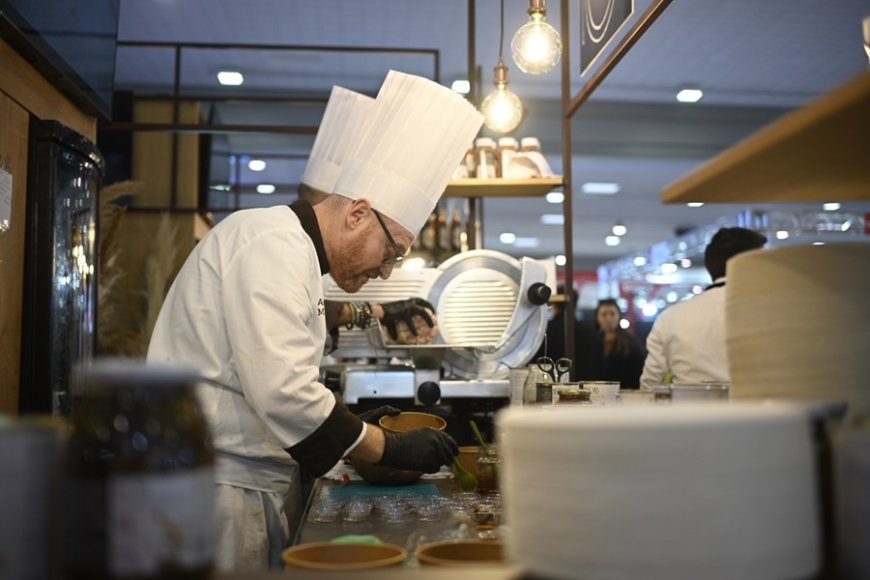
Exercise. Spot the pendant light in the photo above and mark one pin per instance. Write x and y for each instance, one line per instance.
(536, 46)
(502, 110)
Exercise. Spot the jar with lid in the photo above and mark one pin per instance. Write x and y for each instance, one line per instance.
(507, 150)
(488, 462)
(486, 162)
(139, 489)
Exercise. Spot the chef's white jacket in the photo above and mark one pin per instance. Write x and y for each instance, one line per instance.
(688, 341)
(247, 311)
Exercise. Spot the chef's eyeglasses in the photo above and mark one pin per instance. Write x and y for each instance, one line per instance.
(398, 254)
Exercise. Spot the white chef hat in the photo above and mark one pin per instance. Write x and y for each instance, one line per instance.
(419, 132)
(342, 128)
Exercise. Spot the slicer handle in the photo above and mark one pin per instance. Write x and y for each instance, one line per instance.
(538, 293)
(429, 393)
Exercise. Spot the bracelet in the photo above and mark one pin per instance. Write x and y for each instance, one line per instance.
(365, 315)
(354, 315)
(360, 315)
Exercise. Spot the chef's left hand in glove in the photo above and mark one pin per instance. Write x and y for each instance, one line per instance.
(374, 415)
(404, 310)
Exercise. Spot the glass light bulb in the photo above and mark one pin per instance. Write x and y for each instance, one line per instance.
(502, 110)
(536, 47)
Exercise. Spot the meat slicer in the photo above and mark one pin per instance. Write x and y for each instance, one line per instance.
(492, 316)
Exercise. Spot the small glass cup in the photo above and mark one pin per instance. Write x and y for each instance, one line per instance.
(487, 470)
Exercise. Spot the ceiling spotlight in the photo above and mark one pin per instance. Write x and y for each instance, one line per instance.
(527, 242)
(695, 204)
(230, 78)
(686, 263)
(536, 47)
(256, 165)
(461, 86)
(612, 240)
(555, 197)
(599, 188)
(831, 206)
(561, 260)
(619, 229)
(266, 189)
(781, 235)
(502, 110)
(507, 238)
(640, 261)
(690, 95)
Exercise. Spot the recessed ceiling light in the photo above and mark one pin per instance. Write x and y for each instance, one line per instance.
(612, 240)
(266, 188)
(624, 324)
(230, 78)
(527, 242)
(507, 238)
(561, 260)
(686, 263)
(619, 230)
(555, 197)
(831, 206)
(695, 204)
(640, 261)
(461, 86)
(553, 219)
(690, 95)
(599, 188)
(256, 165)
(781, 235)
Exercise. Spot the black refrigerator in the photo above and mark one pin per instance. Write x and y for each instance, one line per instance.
(64, 173)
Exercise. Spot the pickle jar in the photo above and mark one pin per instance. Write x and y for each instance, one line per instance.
(139, 490)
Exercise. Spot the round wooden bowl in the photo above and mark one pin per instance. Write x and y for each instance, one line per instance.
(343, 556)
(411, 421)
(461, 553)
(380, 475)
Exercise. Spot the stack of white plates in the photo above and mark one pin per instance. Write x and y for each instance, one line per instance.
(798, 324)
(703, 490)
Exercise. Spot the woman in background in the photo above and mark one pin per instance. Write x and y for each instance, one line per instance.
(609, 353)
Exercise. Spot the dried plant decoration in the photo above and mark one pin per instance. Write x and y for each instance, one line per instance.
(159, 270)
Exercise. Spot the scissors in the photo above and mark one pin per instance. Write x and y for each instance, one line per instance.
(555, 370)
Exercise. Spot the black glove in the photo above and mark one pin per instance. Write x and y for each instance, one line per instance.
(404, 310)
(421, 450)
(374, 415)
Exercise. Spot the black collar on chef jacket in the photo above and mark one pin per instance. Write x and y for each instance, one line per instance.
(308, 218)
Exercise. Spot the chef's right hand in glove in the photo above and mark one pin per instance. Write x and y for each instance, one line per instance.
(404, 311)
(423, 450)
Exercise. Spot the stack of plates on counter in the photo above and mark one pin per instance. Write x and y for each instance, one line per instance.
(798, 324)
(713, 491)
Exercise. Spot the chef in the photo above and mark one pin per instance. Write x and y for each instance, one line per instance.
(345, 121)
(247, 310)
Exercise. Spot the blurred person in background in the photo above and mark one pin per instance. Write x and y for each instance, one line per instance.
(606, 352)
(687, 341)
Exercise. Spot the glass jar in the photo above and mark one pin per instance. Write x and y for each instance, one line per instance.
(507, 150)
(487, 470)
(486, 164)
(139, 493)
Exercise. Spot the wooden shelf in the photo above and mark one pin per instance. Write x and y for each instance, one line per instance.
(816, 153)
(532, 187)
